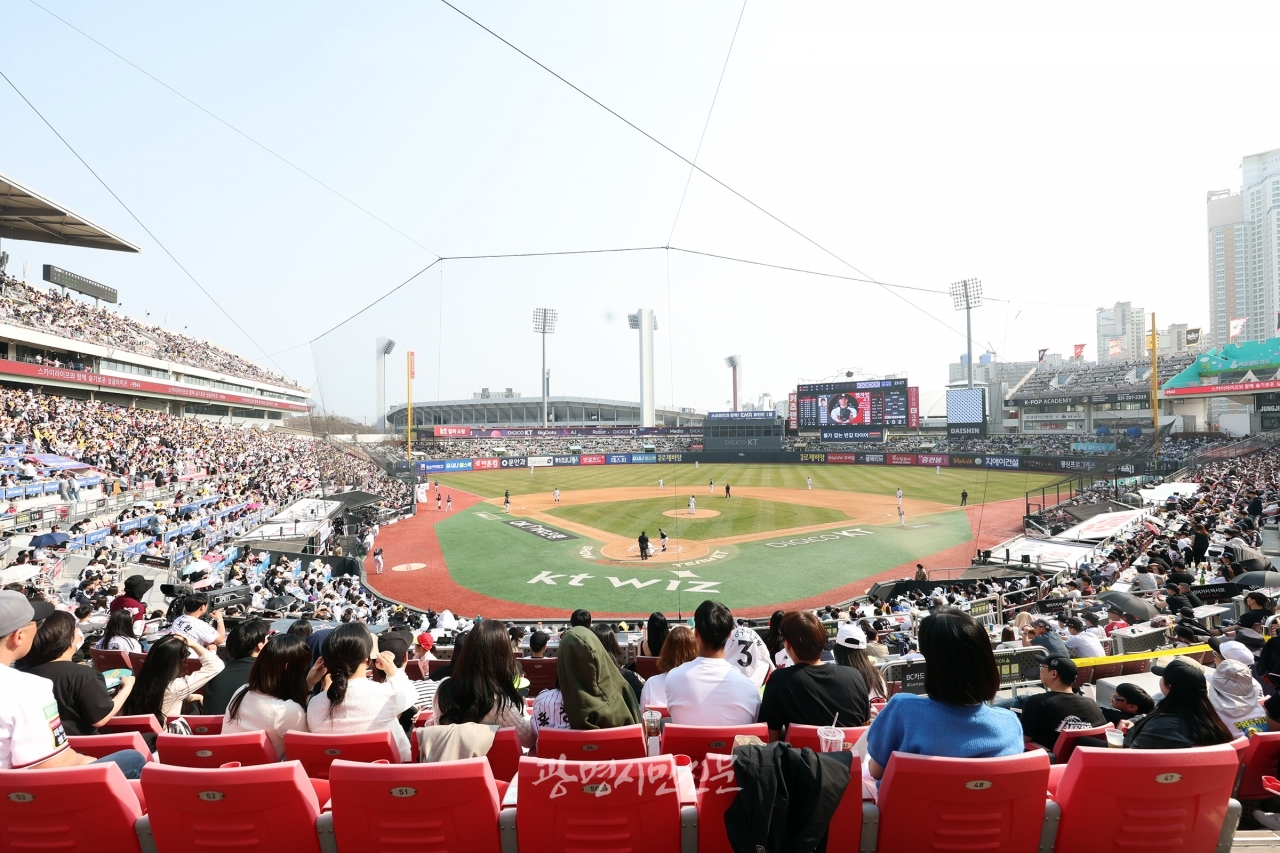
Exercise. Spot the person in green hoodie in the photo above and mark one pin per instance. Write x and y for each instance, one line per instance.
(595, 694)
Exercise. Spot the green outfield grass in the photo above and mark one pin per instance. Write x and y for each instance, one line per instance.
(737, 516)
(918, 483)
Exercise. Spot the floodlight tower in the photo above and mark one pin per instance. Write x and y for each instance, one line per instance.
(544, 323)
(383, 349)
(965, 296)
(644, 321)
(734, 362)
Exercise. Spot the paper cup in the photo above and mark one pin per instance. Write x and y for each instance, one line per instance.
(1115, 739)
(652, 723)
(830, 739)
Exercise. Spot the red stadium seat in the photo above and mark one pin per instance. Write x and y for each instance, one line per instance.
(1260, 758)
(1135, 667)
(646, 667)
(504, 755)
(142, 723)
(203, 724)
(1106, 670)
(70, 808)
(1083, 676)
(269, 807)
(107, 659)
(697, 741)
(1171, 800)
(100, 746)
(1066, 742)
(595, 745)
(433, 665)
(382, 808)
(541, 673)
(637, 805)
(801, 736)
(317, 751)
(413, 669)
(209, 751)
(991, 804)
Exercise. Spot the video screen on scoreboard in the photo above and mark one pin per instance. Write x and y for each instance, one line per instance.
(878, 402)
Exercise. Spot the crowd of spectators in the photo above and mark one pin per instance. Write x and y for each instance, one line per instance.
(65, 316)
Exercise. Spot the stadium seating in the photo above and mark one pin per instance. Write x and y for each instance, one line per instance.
(109, 659)
(100, 746)
(142, 723)
(245, 748)
(541, 673)
(697, 741)
(561, 806)
(413, 670)
(594, 745)
(646, 667)
(802, 736)
(1171, 800)
(71, 808)
(1066, 743)
(269, 807)
(381, 808)
(504, 755)
(1259, 759)
(203, 724)
(316, 752)
(990, 804)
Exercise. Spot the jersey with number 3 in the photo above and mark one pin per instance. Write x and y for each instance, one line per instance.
(747, 651)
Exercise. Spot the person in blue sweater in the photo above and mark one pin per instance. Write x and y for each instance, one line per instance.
(953, 719)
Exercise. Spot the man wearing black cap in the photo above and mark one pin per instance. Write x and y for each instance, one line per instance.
(1249, 630)
(1127, 702)
(1046, 715)
(31, 732)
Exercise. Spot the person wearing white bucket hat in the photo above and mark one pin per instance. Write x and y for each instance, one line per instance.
(1233, 694)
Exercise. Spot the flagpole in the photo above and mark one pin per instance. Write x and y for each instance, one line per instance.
(1155, 388)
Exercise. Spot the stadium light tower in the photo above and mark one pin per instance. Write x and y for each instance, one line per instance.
(644, 321)
(383, 349)
(965, 296)
(734, 362)
(544, 323)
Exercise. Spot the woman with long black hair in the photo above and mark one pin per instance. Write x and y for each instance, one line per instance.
(655, 634)
(481, 688)
(275, 699)
(353, 702)
(773, 637)
(161, 688)
(1184, 718)
(118, 635)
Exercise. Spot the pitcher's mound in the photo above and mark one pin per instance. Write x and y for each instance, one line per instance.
(698, 513)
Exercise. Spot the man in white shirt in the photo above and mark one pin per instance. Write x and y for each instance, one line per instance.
(1082, 643)
(31, 733)
(708, 690)
(189, 623)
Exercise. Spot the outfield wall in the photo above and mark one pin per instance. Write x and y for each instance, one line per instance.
(998, 462)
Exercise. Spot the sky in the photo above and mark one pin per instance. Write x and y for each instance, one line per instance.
(1059, 155)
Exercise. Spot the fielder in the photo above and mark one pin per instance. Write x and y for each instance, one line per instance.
(557, 495)
(693, 506)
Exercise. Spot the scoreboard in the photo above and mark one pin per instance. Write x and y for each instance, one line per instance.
(877, 402)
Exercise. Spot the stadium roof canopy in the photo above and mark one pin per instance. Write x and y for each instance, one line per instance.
(25, 215)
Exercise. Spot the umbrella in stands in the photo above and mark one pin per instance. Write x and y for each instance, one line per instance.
(1133, 605)
(48, 540)
(1257, 580)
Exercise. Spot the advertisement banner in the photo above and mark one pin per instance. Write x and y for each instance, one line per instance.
(539, 461)
(616, 459)
(841, 458)
(670, 457)
(643, 458)
(967, 460)
(1039, 463)
(486, 464)
(429, 466)
(935, 459)
(513, 462)
(870, 458)
(591, 459)
(966, 430)
(452, 432)
(793, 412)
(457, 465)
(853, 434)
(1077, 464)
(1094, 446)
(564, 432)
(814, 457)
(902, 459)
(913, 408)
(559, 461)
(1009, 462)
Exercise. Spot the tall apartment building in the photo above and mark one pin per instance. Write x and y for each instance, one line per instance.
(1244, 253)
(1122, 333)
